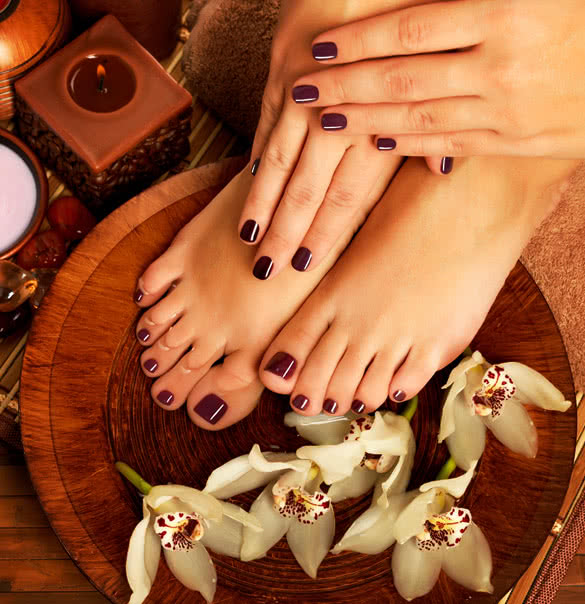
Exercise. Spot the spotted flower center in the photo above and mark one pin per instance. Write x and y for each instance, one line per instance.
(178, 531)
(444, 529)
(496, 388)
(371, 461)
(297, 503)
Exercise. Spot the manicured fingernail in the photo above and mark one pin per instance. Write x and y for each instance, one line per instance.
(143, 335)
(305, 93)
(150, 365)
(330, 406)
(386, 144)
(211, 408)
(399, 396)
(300, 402)
(249, 231)
(138, 295)
(263, 268)
(357, 406)
(165, 397)
(322, 51)
(302, 259)
(255, 166)
(282, 364)
(446, 165)
(333, 121)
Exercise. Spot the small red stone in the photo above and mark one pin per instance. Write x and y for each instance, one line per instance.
(14, 320)
(71, 218)
(45, 250)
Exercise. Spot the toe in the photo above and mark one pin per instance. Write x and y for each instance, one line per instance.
(411, 377)
(157, 321)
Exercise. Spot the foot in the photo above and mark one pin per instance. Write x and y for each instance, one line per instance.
(414, 287)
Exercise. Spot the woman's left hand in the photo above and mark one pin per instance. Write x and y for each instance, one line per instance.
(516, 86)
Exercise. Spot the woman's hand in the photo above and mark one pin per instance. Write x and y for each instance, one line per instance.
(516, 86)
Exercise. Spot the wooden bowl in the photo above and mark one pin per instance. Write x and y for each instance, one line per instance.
(85, 404)
(14, 143)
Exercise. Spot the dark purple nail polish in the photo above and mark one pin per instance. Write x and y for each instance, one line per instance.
(300, 402)
(446, 165)
(138, 295)
(282, 364)
(399, 396)
(333, 121)
(150, 365)
(302, 259)
(263, 268)
(305, 93)
(211, 408)
(255, 166)
(143, 335)
(357, 406)
(330, 406)
(249, 231)
(322, 51)
(386, 144)
(165, 397)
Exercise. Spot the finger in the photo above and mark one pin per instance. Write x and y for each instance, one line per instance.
(272, 103)
(300, 202)
(421, 29)
(440, 165)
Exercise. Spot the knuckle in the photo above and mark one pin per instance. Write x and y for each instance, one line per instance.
(340, 200)
(277, 158)
(454, 145)
(398, 83)
(421, 119)
(412, 32)
(269, 109)
(300, 197)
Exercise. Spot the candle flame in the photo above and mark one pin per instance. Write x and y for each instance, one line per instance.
(101, 71)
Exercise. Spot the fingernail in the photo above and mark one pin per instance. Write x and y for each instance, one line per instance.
(143, 335)
(446, 165)
(249, 231)
(305, 93)
(322, 51)
(282, 364)
(333, 121)
(263, 268)
(302, 259)
(138, 295)
(300, 402)
(165, 397)
(150, 365)
(211, 408)
(399, 396)
(255, 166)
(357, 406)
(330, 406)
(386, 144)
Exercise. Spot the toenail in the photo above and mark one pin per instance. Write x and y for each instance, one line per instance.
(263, 268)
(302, 259)
(323, 51)
(150, 365)
(399, 396)
(165, 397)
(143, 335)
(386, 144)
(249, 231)
(446, 165)
(330, 406)
(357, 406)
(138, 295)
(305, 94)
(300, 402)
(333, 121)
(282, 364)
(211, 408)
(255, 166)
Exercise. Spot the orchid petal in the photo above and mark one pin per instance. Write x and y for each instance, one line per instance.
(256, 544)
(389, 435)
(360, 482)
(514, 429)
(464, 366)
(224, 537)
(398, 479)
(319, 429)
(454, 486)
(470, 563)
(335, 461)
(467, 442)
(310, 543)
(415, 571)
(194, 569)
(263, 463)
(532, 388)
(201, 503)
(235, 512)
(411, 520)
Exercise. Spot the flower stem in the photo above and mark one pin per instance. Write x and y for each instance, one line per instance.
(131, 476)
(447, 469)
(410, 408)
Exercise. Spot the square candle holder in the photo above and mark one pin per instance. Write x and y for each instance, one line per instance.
(105, 116)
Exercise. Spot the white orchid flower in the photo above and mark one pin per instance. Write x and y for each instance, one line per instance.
(484, 396)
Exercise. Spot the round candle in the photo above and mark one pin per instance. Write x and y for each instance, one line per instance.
(4, 4)
(102, 83)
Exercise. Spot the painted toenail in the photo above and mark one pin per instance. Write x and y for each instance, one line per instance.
(399, 396)
(138, 295)
(302, 259)
(446, 165)
(165, 397)
(357, 406)
(333, 121)
(150, 365)
(211, 408)
(255, 166)
(263, 268)
(330, 406)
(386, 144)
(300, 402)
(282, 364)
(249, 231)
(143, 335)
(323, 51)
(305, 94)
